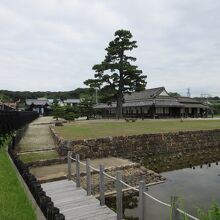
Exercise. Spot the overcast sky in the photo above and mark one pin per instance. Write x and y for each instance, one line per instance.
(53, 44)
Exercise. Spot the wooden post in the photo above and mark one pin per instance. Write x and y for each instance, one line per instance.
(77, 171)
(102, 184)
(174, 205)
(69, 165)
(119, 196)
(142, 189)
(88, 177)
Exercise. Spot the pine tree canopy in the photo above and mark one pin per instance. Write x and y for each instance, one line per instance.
(117, 75)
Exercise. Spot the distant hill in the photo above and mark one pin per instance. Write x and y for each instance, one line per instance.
(18, 95)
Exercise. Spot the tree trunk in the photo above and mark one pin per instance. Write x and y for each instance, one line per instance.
(119, 105)
(121, 85)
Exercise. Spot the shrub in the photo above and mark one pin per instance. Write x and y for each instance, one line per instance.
(212, 214)
(70, 116)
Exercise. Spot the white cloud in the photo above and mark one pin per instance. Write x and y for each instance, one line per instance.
(53, 44)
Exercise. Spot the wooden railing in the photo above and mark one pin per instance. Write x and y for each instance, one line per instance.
(141, 190)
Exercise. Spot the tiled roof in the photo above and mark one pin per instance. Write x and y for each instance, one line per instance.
(192, 103)
(187, 100)
(148, 93)
(195, 105)
(37, 102)
(151, 97)
(72, 101)
(150, 102)
(138, 103)
(167, 103)
(103, 105)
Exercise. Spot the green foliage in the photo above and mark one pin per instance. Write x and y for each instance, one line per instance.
(174, 94)
(86, 106)
(216, 98)
(16, 95)
(4, 98)
(181, 206)
(116, 75)
(14, 203)
(36, 156)
(57, 111)
(70, 116)
(4, 139)
(212, 214)
(65, 112)
(216, 108)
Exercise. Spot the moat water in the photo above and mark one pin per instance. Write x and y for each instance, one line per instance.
(196, 187)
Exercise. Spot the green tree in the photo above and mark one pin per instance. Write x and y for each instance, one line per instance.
(58, 112)
(86, 106)
(116, 76)
(174, 94)
(4, 98)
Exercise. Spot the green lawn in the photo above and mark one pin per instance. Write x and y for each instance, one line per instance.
(14, 203)
(31, 157)
(104, 128)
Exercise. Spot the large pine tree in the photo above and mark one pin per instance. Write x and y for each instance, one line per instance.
(116, 75)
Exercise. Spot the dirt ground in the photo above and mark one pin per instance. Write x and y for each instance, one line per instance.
(37, 136)
(60, 170)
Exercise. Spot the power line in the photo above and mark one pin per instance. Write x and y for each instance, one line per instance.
(205, 95)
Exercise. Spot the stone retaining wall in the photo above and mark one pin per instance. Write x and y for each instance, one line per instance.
(139, 146)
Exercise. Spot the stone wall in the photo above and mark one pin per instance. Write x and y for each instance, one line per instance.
(139, 146)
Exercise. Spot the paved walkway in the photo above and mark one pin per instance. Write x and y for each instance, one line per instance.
(74, 203)
(37, 136)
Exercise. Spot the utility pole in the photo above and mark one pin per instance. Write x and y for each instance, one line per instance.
(96, 95)
(205, 96)
(188, 92)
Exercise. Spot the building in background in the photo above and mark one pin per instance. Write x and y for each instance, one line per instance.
(71, 102)
(43, 105)
(155, 103)
(9, 105)
(40, 105)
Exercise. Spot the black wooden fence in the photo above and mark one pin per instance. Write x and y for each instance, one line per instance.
(13, 120)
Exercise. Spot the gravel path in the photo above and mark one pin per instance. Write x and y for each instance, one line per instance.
(37, 136)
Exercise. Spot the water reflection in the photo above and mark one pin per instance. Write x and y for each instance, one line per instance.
(196, 187)
(168, 162)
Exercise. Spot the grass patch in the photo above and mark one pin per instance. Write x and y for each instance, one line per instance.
(31, 157)
(14, 203)
(104, 128)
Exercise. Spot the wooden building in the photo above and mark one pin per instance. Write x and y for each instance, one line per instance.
(8, 106)
(40, 105)
(155, 103)
(71, 102)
